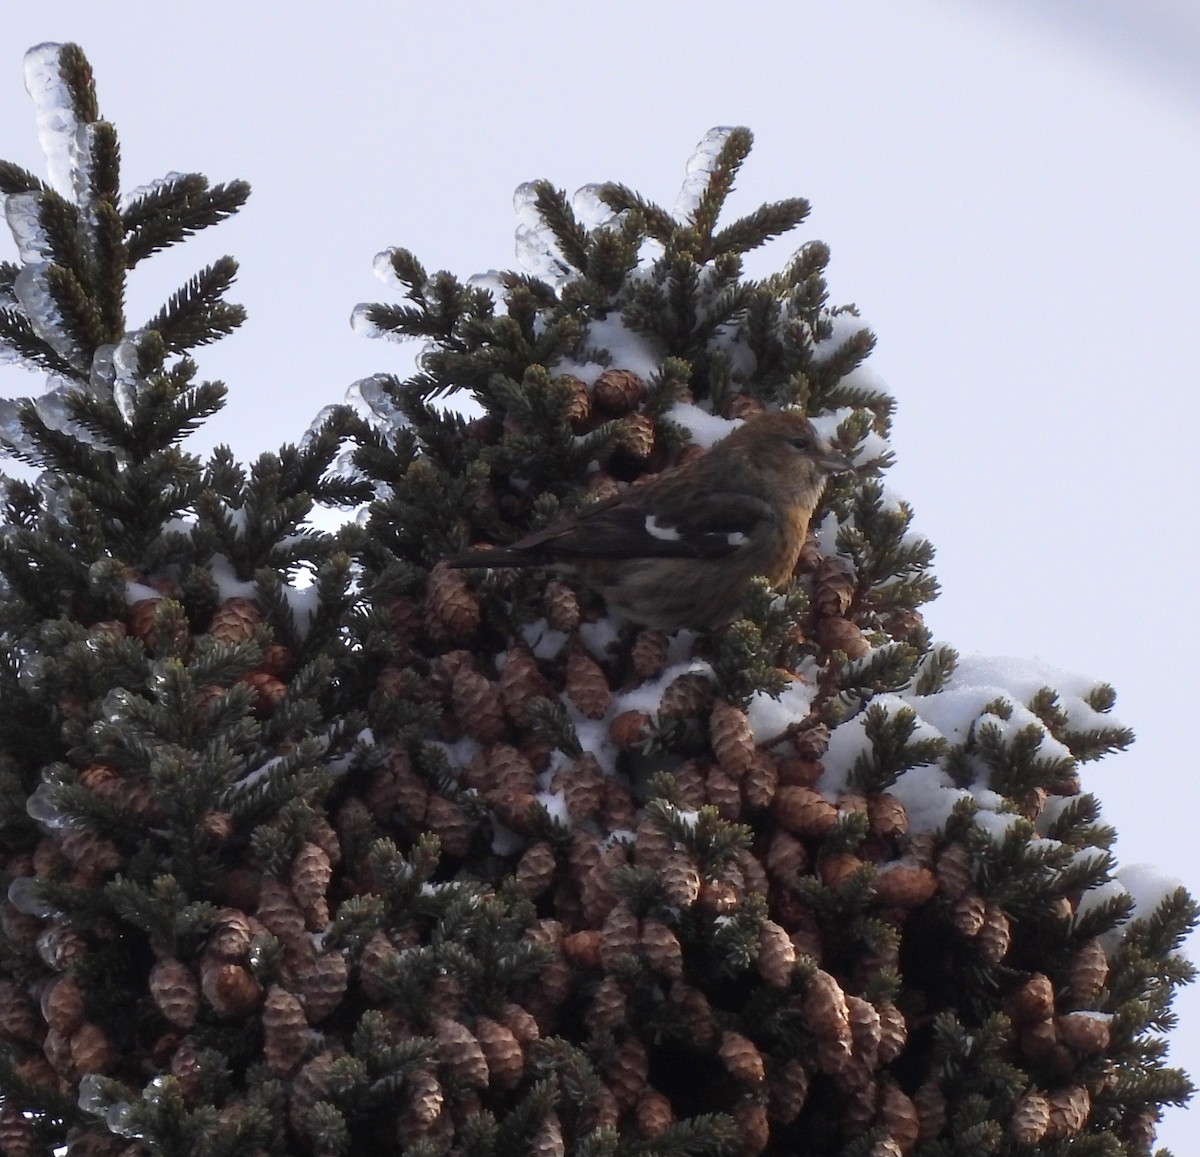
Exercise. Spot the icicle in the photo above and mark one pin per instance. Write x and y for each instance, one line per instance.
(25, 894)
(142, 191)
(43, 313)
(362, 324)
(56, 121)
(537, 249)
(590, 211)
(22, 211)
(386, 272)
(12, 433)
(127, 379)
(370, 395)
(42, 807)
(83, 166)
(700, 167)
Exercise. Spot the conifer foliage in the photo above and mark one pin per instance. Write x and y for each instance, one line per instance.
(432, 861)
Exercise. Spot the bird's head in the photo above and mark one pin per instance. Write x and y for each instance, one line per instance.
(786, 443)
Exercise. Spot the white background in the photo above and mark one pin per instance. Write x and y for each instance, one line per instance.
(1009, 188)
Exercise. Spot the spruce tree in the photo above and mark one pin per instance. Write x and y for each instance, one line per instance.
(412, 859)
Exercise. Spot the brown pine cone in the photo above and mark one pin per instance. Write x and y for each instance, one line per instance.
(731, 738)
(587, 685)
(618, 392)
(235, 621)
(175, 991)
(451, 607)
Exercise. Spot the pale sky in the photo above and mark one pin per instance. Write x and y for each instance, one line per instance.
(1009, 189)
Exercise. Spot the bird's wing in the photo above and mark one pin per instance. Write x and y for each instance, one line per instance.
(714, 527)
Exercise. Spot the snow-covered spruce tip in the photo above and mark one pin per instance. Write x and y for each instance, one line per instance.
(814, 874)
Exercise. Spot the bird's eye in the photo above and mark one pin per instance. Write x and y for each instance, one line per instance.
(802, 442)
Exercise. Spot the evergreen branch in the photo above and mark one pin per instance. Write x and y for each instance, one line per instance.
(196, 314)
(106, 164)
(555, 210)
(761, 226)
(734, 151)
(77, 75)
(18, 335)
(14, 179)
(657, 221)
(77, 309)
(176, 209)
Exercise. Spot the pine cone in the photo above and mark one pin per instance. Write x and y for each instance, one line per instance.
(1088, 973)
(460, 1052)
(502, 1051)
(760, 782)
(310, 875)
(536, 868)
(742, 1059)
(900, 885)
(954, 871)
(521, 681)
(579, 402)
(826, 1013)
(229, 988)
(648, 655)
(1033, 1001)
(776, 954)
(478, 706)
(235, 621)
(452, 610)
(581, 783)
(278, 911)
(753, 1127)
(92, 1051)
(836, 868)
(18, 1136)
(786, 858)
(898, 1115)
(61, 947)
(62, 1006)
(561, 605)
(608, 1007)
(618, 392)
(686, 695)
(455, 829)
(1084, 1033)
(838, 634)
(285, 1031)
(789, 1091)
(833, 587)
(231, 935)
(724, 792)
(586, 685)
(804, 811)
(1030, 1119)
(731, 739)
(680, 879)
(995, 936)
(176, 993)
(629, 729)
(1069, 1109)
(547, 1139)
(269, 692)
(653, 1114)
(968, 914)
(320, 980)
(893, 1033)
(887, 815)
(661, 949)
(19, 1020)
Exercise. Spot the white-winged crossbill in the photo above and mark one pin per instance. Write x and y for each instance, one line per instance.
(681, 550)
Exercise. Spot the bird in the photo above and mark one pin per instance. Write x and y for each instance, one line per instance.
(680, 550)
